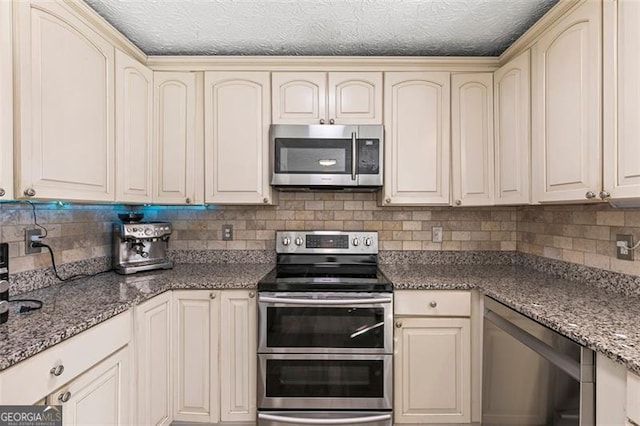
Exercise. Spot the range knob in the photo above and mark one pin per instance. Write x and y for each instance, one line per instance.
(355, 242)
(286, 241)
(368, 241)
(299, 241)
(148, 231)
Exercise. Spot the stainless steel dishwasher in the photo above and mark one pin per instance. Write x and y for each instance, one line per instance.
(533, 375)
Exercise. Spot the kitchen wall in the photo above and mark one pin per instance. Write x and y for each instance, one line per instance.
(581, 234)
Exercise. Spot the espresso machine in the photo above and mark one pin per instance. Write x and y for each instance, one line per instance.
(140, 246)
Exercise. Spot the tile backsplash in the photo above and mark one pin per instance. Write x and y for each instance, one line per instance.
(582, 234)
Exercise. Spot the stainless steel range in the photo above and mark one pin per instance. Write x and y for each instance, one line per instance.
(325, 332)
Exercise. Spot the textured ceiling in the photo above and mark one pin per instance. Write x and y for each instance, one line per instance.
(323, 27)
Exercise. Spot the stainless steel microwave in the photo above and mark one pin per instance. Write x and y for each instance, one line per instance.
(326, 156)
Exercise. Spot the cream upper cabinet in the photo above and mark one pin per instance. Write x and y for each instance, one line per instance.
(566, 107)
(64, 77)
(154, 346)
(472, 139)
(238, 346)
(621, 99)
(327, 98)
(6, 102)
(178, 165)
(98, 397)
(237, 119)
(512, 112)
(417, 156)
(134, 127)
(196, 390)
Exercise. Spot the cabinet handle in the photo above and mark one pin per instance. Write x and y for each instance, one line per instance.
(2, 192)
(64, 397)
(332, 121)
(212, 296)
(458, 202)
(605, 194)
(188, 200)
(387, 201)
(398, 324)
(433, 304)
(265, 200)
(57, 370)
(322, 121)
(590, 194)
(29, 192)
(252, 294)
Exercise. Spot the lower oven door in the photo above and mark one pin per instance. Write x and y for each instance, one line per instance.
(287, 418)
(324, 381)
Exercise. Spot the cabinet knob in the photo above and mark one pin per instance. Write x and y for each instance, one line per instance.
(387, 200)
(590, 195)
(57, 370)
(433, 303)
(604, 194)
(2, 192)
(212, 296)
(29, 192)
(322, 121)
(188, 201)
(332, 121)
(64, 397)
(398, 324)
(458, 202)
(265, 200)
(252, 294)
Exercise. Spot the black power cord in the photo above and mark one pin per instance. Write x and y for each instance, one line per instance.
(55, 269)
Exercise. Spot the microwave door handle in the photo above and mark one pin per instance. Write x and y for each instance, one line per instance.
(354, 155)
(293, 301)
(338, 421)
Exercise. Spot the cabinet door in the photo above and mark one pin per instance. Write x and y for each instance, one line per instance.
(65, 96)
(416, 120)
(512, 131)
(299, 97)
(178, 173)
(472, 139)
(566, 83)
(355, 97)
(6, 102)
(100, 396)
(432, 371)
(196, 356)
(134, 115)
(622, 99)
(238, 341)
(237, 119)
(633, 397)
(153, 362)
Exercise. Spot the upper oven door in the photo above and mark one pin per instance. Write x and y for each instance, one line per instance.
(325, 323)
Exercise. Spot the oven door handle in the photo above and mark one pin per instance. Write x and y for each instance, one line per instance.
(293, 301)
(307, 421)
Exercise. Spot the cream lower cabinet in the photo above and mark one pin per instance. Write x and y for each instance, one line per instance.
(6, 101)
(633, 398)
(417, 155)
(237, 119)
(472, 139)
(99, 396)
(154, 346)
(432, 357)
(621, 99)
(65, 101)
(566, 108)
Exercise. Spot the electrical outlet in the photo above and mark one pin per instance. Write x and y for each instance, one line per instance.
(436, 234)
(227, 232)
(29, 236)
(623, 242)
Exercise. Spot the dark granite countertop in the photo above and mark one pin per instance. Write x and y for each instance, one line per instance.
(588, 314)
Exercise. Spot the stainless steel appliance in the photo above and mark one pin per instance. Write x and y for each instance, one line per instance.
(533, 375)
(325, 345)
(140, 246)
(321, 156)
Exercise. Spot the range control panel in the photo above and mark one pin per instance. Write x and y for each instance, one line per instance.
(144, 230)
(326, 242)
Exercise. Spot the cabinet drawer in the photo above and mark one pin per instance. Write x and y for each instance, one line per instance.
(432, 303)
(633, 397)
(31, 380)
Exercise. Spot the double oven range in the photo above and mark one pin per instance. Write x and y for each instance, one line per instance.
(325, 332)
